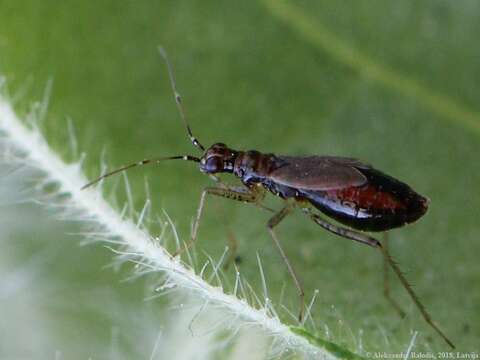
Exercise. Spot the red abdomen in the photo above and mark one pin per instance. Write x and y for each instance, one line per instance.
(381, 204)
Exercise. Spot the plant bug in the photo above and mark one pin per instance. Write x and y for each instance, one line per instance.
(353, 193)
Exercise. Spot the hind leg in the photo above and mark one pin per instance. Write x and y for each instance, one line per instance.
(368, 240)
(386, 285)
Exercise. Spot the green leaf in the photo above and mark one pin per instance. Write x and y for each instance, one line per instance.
(337, 351)
(394, 83)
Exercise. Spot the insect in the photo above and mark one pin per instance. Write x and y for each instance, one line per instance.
(356, 195)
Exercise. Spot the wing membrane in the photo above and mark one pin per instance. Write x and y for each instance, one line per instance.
(319, 172)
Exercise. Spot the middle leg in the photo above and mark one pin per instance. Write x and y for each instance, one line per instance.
(274, 221)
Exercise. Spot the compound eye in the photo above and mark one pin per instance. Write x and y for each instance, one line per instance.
(213, 164)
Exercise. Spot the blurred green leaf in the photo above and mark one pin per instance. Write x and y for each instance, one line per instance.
(393, 83)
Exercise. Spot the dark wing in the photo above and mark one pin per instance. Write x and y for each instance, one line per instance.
(318, 172)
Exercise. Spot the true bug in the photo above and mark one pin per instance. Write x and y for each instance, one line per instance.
(350, 191)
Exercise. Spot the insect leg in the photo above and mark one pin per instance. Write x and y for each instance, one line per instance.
(246, 195)
(274, 221)
(343, 232)
(386, 285)
(365, 239)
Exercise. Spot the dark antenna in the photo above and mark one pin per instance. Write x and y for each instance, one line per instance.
(139, 163)
(178, 99)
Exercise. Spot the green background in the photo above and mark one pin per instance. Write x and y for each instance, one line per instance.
(254, 77)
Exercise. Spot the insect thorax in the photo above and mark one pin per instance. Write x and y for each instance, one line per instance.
(253, 167)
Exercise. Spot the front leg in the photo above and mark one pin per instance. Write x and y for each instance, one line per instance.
(248, 195)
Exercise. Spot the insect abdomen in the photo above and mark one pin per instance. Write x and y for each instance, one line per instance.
(381, 204)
